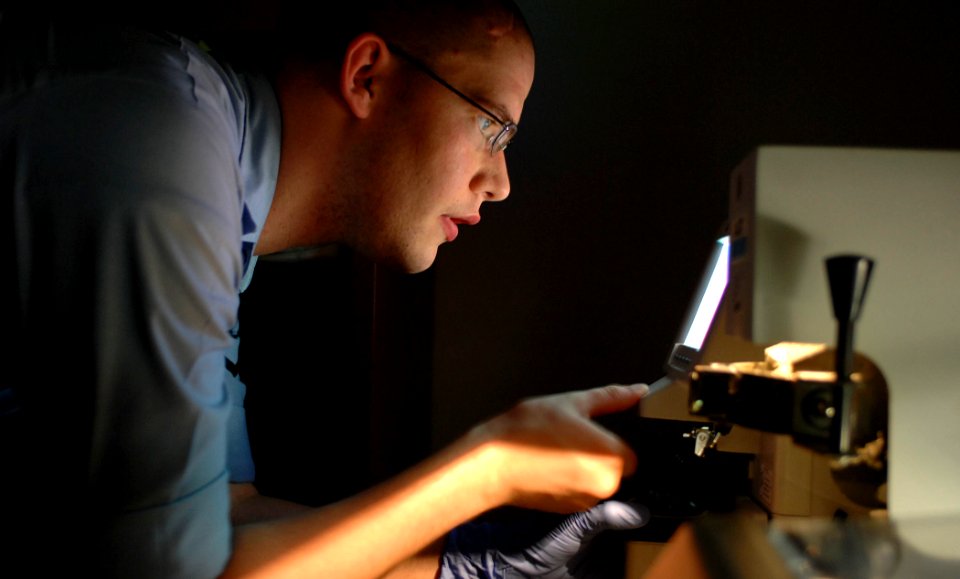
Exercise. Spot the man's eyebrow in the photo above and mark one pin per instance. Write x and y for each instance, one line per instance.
(497, 108)
(503, 113)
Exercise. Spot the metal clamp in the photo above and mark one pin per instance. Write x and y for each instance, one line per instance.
(705, 438)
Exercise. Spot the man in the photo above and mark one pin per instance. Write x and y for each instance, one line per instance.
(143, 177)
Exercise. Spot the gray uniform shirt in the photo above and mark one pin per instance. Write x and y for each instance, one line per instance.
(137, 172)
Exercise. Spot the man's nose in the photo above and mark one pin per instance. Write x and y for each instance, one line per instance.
(493, 181)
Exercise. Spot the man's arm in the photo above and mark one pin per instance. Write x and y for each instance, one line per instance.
(545, 453)
(423, 565)
(248, 506)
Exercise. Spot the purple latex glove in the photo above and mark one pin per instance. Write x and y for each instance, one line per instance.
(471, 551)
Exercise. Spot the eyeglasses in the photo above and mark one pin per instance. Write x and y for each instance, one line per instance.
(508, 129)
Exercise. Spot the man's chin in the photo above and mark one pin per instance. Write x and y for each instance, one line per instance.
(409, 263)
(421, 266)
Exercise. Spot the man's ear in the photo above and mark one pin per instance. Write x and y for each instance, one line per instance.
(361, 75)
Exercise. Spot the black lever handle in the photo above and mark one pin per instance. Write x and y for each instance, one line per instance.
(849, 276)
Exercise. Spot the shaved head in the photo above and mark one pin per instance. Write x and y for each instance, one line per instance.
(424, 27)
(430, 26)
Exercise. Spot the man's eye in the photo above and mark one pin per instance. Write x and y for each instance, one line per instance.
(485, 124)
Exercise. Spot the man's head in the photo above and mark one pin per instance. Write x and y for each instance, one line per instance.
(418, 92)
(318, 31)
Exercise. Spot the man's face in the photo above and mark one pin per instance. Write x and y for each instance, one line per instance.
(432, 167)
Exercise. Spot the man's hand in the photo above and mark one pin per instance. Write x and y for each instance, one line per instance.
(473, 549)
(545, 454)
(549, 455)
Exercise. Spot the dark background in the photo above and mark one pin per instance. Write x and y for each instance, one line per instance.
(638, 114)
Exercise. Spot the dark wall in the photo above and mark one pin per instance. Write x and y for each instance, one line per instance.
(335, 353)
(638, 114)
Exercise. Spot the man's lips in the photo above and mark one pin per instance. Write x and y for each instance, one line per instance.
(451, 224)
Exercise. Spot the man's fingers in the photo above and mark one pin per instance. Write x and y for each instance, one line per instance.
(611, 398)
(629, 459)
(619, 515)
(578, 529)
